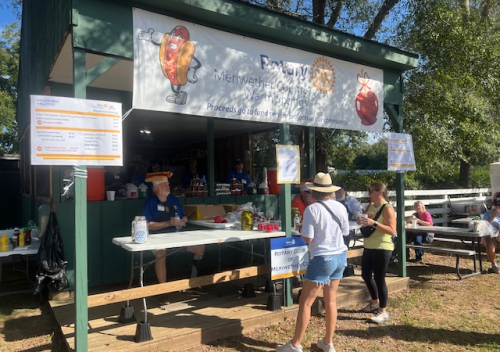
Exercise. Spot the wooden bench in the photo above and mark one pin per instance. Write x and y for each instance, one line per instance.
(456, 252)
(452, 240)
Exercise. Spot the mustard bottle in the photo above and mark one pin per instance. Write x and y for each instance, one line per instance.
(4, 243)
(22, 238)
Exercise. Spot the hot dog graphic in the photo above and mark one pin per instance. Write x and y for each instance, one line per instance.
(176, 56)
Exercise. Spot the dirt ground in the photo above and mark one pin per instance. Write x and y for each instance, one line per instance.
(438, 313)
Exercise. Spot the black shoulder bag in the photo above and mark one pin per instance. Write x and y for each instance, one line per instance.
(367, 231)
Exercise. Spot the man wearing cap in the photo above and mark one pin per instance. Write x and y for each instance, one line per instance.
(352, 205)
(491, 243)
(160, 210)
(238, 174)
(304, 198)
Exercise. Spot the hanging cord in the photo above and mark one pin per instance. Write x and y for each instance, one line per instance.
(77, 173)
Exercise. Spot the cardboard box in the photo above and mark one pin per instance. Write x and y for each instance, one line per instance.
(204, 211)
(230, 207)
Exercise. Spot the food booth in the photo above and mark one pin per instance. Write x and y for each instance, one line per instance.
(210, 81)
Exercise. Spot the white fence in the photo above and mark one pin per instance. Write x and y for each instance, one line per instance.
(443, 204)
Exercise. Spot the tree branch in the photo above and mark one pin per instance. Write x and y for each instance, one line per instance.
(379, 18)
(336, 10)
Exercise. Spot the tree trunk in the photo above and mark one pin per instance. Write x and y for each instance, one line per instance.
(465, 174)
(319, 7)
(382, 13)
(486, 9)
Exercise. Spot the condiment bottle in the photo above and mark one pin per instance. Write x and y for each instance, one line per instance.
(16, 235)
(21, 239)
(28, 236)
(4, 243)
(264, 187)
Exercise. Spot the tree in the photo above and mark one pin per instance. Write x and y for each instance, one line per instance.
(452, 100)
(9, 69)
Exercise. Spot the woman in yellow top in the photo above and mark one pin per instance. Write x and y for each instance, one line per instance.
(377, 251)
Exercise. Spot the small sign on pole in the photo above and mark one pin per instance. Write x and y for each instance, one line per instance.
(70, 131)
(400, 152)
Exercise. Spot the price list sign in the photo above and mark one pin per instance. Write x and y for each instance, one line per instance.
(69, 131)
(400, 152)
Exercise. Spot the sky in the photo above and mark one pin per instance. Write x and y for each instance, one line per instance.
(6, 17)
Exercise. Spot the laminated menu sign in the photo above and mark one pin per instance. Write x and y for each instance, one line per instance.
(69, 131)
(400, 149)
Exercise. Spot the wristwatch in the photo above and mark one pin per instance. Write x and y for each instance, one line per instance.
(375, 224)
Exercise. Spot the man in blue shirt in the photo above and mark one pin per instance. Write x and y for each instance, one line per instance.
(238, 174)
(160, 210)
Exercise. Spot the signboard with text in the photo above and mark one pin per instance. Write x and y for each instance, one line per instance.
(400, 152)
(186, 68)
(69, 131)
(289, 257)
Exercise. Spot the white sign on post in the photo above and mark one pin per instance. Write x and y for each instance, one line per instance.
(289, 257)
(288, 157)
(69, 131)
(400, 149)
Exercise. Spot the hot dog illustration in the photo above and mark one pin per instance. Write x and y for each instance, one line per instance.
(176, 57)
(366, 102)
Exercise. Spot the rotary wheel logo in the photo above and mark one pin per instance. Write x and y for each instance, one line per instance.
(323, 75)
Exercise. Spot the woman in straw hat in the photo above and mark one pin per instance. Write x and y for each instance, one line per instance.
(378, 250)
(324, 225)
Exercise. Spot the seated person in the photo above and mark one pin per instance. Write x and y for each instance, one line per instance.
(238, 174)
(114, 179)
(491, 243)
(159, 211)
(192, 172)
(352, 205)
(304, 198)
(139, 175)
(424, 218)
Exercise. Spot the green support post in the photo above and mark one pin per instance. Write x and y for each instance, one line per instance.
(285, 214)
(395, 114)
(81, 286)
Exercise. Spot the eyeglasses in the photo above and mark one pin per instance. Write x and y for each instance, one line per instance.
(373, 190)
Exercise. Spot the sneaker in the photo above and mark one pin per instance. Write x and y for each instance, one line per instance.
(288, 347)
(418, 260)
(326, 347)
(370, 307)
(380, 317)
(494, 269)
(199, 291)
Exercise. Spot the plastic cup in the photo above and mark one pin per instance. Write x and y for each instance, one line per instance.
(363, 219)
(110, 195)
(414, 223)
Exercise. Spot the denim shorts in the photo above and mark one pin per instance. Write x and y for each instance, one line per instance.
(322, 269)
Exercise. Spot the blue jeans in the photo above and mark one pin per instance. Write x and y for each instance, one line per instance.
(418, 240)
(321, 269)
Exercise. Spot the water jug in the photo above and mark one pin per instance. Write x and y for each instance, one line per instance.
(132, 191)
(140, 230)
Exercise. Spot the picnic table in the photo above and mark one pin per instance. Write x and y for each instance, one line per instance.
(454, 233)
(25, 252)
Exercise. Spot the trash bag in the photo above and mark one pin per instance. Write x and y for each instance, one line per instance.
(51, 271)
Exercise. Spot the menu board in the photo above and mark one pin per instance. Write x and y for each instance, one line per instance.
(400, 149)
(69, 131)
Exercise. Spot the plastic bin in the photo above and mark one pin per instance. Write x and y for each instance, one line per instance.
(95, 184)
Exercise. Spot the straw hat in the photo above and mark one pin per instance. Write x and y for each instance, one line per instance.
(322, 183)
(158, 177)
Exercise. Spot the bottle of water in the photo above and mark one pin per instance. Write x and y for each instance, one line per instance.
(177, 218)
(296, 222)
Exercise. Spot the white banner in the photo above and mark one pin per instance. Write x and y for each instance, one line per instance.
(191, 69)
(69, 131)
